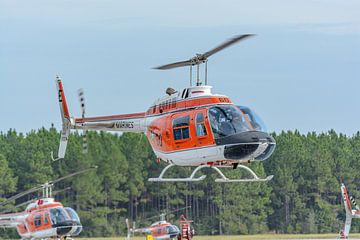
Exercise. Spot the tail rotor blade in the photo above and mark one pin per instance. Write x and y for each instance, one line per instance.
(82, 101)
(352, 199)
(83, 111)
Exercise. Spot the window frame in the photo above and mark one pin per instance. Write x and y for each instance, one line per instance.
(181, 128)
(202, 124)
(37, 220)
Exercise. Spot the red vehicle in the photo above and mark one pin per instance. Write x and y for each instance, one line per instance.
(185, 228)
(43, 218)
(189, 127)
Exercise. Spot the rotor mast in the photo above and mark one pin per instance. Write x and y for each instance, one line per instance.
(203, 58)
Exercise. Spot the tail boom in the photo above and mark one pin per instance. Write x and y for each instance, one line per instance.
(135, 122)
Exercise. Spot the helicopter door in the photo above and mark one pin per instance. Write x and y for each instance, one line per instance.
(47, 219)
(203, 135)
(181, 131)
(201, 130)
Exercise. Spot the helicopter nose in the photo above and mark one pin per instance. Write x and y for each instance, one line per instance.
(245, 146)
(67, 227)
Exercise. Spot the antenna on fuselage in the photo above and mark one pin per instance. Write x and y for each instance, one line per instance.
(203, 58)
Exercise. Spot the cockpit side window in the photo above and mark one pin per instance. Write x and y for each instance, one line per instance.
(181, 128)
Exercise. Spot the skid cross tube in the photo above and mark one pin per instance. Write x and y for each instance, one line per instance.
(223, 178)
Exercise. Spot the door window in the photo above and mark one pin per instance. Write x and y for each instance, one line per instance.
(200, 125)
(37, 220)
(46, 218)
(181, 128)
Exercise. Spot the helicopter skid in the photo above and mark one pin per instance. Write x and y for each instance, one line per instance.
(223, 178)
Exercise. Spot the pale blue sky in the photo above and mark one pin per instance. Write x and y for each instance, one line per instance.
(301, 71)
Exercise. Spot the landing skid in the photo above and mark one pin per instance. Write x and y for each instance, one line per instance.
(223, 178)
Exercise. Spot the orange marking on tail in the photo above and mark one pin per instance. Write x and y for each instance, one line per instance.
(63, 100)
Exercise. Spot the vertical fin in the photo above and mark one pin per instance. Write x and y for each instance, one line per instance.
(66, 122)
(346, 200)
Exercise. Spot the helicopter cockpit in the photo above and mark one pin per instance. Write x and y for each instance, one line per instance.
(172, 229)
(254, 119)
(228, 120)
(242, 132)
(65, 220)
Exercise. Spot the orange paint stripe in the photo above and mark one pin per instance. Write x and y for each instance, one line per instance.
(347, 198)
(189, 103)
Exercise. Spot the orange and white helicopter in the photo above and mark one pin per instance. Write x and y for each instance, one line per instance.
(190, 127)
(163, 230)
(350, 213)
(43, 218)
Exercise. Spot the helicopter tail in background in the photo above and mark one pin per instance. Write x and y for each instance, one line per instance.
(66, 120)
(128, 236)
(344, 233)
(346, 199)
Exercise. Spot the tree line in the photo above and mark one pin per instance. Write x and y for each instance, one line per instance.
(303, 197)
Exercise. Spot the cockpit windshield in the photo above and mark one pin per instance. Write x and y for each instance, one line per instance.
(172, 229)
(227, 120)
(73, 214)
(254, 119)
(59, 215)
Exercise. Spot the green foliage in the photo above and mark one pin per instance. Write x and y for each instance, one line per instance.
(303, 197)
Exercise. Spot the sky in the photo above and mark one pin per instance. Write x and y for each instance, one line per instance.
(301, 70)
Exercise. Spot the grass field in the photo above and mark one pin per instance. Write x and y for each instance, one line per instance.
(250, 237)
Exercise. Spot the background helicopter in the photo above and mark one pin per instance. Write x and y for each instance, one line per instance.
(43, 218)
(350, 213)
(191, 127)
(163, 230)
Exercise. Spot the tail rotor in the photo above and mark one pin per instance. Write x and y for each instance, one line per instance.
(82, 106)
(352, 199)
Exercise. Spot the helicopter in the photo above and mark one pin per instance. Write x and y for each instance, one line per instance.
(43, 218)
(191, 127)
(350, 213)
(163, 230)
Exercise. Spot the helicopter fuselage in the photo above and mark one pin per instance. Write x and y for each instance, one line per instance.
(194, 127)
(44, 219)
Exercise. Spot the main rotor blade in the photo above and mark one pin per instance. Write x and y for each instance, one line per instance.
(60, 191)
(19, 195)
(226, 44)
(201, 58)
(175, 65)
(19, 205)
(73, 174)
